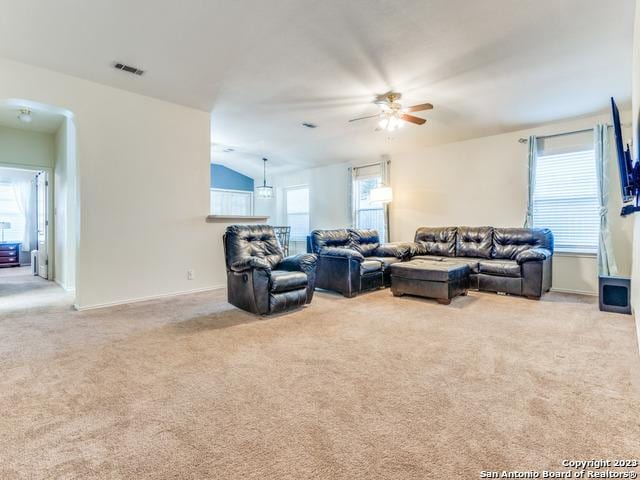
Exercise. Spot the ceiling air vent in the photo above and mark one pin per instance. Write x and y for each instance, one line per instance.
(128, 68)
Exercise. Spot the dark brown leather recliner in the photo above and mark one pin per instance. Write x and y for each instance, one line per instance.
(259, 278)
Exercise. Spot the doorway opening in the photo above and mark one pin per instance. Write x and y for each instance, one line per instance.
(24, 222)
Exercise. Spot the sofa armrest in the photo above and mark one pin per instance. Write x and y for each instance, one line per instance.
(416, 248)
(299, 263)
(248, 263)
(397, 249)
(304, 262)
(339, 270)
(342, 253)
(533, 254)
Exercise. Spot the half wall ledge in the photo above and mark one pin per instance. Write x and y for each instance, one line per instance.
(236, 219)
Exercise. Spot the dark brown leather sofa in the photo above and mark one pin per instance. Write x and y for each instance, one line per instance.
(351, 260)
(517, 261)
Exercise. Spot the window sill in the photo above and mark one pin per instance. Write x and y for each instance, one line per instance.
(569, 253)
(236, 218)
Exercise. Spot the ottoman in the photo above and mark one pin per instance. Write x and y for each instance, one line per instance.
(431, 279)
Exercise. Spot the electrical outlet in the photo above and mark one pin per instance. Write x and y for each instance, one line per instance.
(191, 275)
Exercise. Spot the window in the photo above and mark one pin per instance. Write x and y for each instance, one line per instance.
(297, 210)
(565, 197)
(368, 215)
(10, 212)
(231, 202)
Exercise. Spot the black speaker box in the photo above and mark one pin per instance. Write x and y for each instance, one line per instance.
(615, 294)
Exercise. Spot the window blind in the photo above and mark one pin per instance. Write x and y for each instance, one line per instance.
(297, 203)
(565, 199)
(231, 202)
(368, 215)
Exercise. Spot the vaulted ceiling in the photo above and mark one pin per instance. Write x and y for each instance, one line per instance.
(264, 67)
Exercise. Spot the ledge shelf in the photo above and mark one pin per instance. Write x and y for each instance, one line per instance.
(236, 219)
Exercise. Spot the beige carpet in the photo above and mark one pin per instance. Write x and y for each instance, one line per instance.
(374, 387)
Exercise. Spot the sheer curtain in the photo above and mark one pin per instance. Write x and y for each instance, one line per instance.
(26, 200)
(533, 155)
(606, 259)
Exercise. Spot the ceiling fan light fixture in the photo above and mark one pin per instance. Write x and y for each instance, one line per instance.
(391, 122)
(392, 116)
(25, 115)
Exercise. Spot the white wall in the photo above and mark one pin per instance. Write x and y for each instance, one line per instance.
(635, 274)
(328, 194)
(65, 211)
(143, 177)
(26, 148)
(266, 207)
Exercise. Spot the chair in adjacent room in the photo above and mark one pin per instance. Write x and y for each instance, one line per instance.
(284, 235)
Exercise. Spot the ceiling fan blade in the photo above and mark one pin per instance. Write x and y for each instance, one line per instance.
(412, 119)
(363, 118)
(419, 108)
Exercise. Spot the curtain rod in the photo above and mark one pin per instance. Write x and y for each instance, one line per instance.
(372, 164)
(583, 130)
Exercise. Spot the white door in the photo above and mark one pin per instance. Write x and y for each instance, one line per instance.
(42, 186)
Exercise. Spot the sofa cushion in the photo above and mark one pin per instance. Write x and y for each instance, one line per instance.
(433, 258)
(394, 249)
(386, 261)
(508, 243)
(369, 266)
(285, 281)
(472, 263)
(474, 242)
(428, 270)
(435, 241)
(321, 239)
(364, 241)
(503, 268)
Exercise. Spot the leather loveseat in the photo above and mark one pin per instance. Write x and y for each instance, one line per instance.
(259, 278)
(351, 260)
(508, 260)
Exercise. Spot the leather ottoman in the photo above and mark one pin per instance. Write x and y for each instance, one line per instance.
(431, 279)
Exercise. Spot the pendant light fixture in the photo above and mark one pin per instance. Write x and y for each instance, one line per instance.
(264, 191)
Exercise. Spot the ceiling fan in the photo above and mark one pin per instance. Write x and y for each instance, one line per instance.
(392, 116)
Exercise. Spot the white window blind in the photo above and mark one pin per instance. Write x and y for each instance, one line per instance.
(566, 201)
(297, 205)
(367, 215)
(231, 202)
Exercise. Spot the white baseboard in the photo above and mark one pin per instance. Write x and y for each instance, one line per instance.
(576, 292)
(146, 299)
(64, 287)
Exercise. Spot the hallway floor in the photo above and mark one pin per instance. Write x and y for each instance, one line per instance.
(19, 289)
